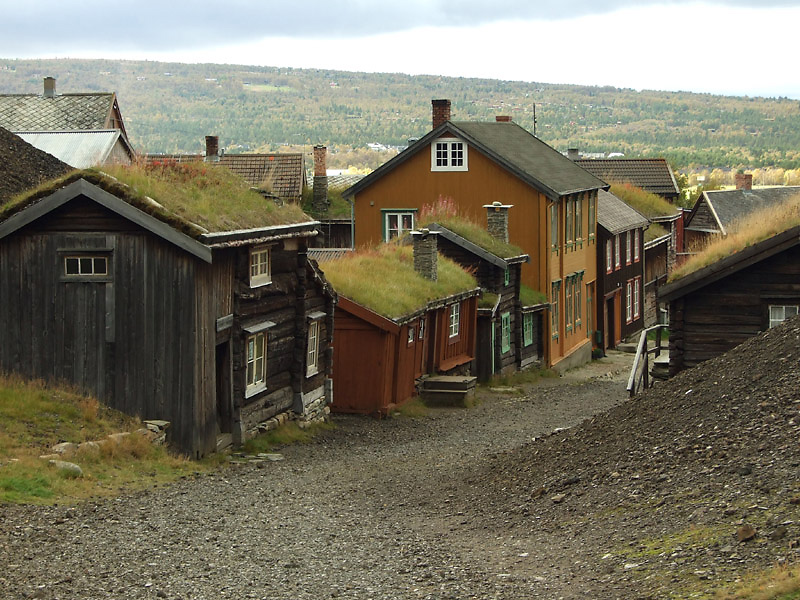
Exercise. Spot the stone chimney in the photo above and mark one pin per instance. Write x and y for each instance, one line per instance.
(212, 148)
(573, 154)
(497, 220)
(426, 253)
(49, 87)
(440, 112)
(744, 181)
(320, 202)
(503, 118)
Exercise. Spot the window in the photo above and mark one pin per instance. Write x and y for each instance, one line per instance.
(448, 155)
(589, 309)
(455, 320)
(578, 299)
(780, 312)
(412, 335)
(568, 288)
(256, 362)
(421, 329)
(616, 252)
(568, 222)
(592, 215)
(397, 223)
(86, 265)
(506, 277)
(527, 329)
(636, 284)
(579, 218)
(628, 248)
(312, 349)
(505, 332)
(609, 258)
(555, 290)
(636, 242)
(260, 272)
(554, 227)
(629, 301)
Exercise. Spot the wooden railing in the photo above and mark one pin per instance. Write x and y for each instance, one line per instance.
(640, 373)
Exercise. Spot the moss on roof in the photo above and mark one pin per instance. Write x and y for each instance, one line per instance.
(530, 297)
(384, 280)
(650, 205)
(192, 198)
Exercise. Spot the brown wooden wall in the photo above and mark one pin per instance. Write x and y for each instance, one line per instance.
(616, 281)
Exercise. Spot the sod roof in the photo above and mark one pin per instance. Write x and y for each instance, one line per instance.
(24, 167)
(472, 232)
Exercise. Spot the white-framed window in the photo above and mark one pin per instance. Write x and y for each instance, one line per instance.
(312, 349)
(455, 320)
(636, 246)
(260, 271)
(412, 334)
(449, 154)
(555, 291)
(554, 227)
(505, 332)
(85, 265)
(609, 257)
(592, 215)
(256, 362)
(568, 306)
(778, 313)
(616, 252)
(628, 248)
(579, 218)
(527, 329)
(578, 300)
(421, 335)
(636, 291)
(397, 223)
(629, 301)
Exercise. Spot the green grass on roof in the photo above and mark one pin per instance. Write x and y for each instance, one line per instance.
(384, 280)
(755, 227)
(530, 297)
(654, 231)
(190, 194)
(650, 205)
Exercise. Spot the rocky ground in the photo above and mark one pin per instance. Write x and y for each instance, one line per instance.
(514, 498)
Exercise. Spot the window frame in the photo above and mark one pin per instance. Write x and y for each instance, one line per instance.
(505, 332)
(636, 243)
(454, 326)
(527, 329)
(617, 260)
(578, 217)
(637, 282)
(450, 149)
(86, 254)
(254, 385)
(628, 253)
(312, 348)
(592, 216)
(609, 256)
(569, 225)
(554, 233)
(568, 303)
(629, 301)
(775, 322)
(555, 293)
(399, 212)
(259, 279)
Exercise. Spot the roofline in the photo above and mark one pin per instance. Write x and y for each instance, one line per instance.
(657, 241)
(259, 234)
(730, 264)
(472, 247)
(81, 187)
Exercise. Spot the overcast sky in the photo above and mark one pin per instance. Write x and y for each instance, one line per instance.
(740, 47)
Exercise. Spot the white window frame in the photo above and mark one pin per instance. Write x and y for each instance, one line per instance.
(454, 327)
(86, 265)
(312, 349)
(446, 151)
(256, 383)
(260, 270)
(387, 237)
(609, 256)
(636, 292)
(778, 315)
(636, 242)
(628, 240)
(617, 263)
(629, 301)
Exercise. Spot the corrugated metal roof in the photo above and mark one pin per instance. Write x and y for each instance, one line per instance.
(651, 174)
(615, 216)
(79, 149)
(30, 112)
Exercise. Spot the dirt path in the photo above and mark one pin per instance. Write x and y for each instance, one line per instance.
(369, 510)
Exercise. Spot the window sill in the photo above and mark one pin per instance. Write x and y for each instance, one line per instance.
(312, 373)
(254, 390)
(256, 283)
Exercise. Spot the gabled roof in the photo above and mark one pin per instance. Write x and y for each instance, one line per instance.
(651, 174)
(339, 183)
(62, 112)
(513, 148)
(730, 265)
(24, 167)
(615, 216)
(476, 250)
(282, 174)
(80, 149)
(726, 206)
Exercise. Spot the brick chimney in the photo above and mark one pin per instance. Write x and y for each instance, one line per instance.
(320, 202)
(426, 253)
(49, 87)
(744, 181)
(503, 118)
(212, 148)
(573, 154)
(497, 220)
(440, 112)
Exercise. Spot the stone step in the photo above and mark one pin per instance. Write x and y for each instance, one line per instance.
(444, 383)
(447, 397)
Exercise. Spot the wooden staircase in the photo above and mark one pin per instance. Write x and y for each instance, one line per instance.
(447, 390)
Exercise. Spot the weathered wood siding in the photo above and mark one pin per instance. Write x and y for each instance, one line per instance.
(452, 353)
(616, 281)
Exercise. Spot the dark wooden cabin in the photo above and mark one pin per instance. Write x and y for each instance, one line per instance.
(620, 313)
(721, 305)
(213, 331)
(380, 356)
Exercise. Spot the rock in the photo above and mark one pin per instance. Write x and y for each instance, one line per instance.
(558, 498)
(69, 469)
(778, 534)
(50, 456)
(64, 448)
(89, 447)
(745, 533)
(743, 470)
(118, 437)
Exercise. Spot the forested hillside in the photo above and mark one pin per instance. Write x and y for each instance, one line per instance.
(169, 107)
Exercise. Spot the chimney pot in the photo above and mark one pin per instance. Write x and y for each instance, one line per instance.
(497, 220)
(49, 87)
(212, 148)
(426, 253)
(744, 181)
(503, 118)
(440, 112)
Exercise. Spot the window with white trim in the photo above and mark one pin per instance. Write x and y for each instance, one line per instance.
(592, 215)
(256, 362)
(312, 349)
(636, 242)
(609, 257)
(505, 332)
(579, 218)
(616, 252)
(636, 288)
(527, 329)
(555, 290)
(448, 154)
(421, 329)
(455, 320)
(260, 271)
(397, 223)
(578, 300)
(628, 248)
(629, 301)
(554, 227)
(86, 265)
(778, 313)
(412, 335)
(570, 283)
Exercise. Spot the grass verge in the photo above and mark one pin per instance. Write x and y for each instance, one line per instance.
(285, 435)
(413, 409)
(779, 583)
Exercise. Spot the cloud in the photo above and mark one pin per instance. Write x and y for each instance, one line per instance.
(50, 28)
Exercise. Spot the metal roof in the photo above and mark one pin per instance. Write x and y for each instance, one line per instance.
(615, 216)
(79, 149)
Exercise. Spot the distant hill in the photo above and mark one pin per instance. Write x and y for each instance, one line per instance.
(169, 107)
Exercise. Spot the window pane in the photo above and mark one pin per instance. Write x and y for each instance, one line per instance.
(790, 311)
(408, 222)
(85, 266)
(71, 266)
(100, 266)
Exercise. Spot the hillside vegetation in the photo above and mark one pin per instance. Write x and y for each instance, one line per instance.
(169, 107)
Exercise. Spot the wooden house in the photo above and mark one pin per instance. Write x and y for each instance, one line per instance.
(620, 283)
(719, 306)
(390, 337)
(509, 329)
(653, 175)
(479, 163)
(213, 322)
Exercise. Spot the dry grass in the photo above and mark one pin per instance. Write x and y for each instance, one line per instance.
(398, 290)
(779, 583)
(756, 227)
(650, 205)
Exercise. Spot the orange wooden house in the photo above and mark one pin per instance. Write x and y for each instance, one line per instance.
(477, 164)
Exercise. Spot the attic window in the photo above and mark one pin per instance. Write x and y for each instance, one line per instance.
(448, 154)
(80, 265)
(260, 271)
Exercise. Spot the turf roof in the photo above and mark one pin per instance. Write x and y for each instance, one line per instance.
(384, 280)
(474, 233)
(192, 198)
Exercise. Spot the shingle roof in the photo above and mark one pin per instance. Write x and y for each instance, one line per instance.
(24, 167)
(340, 182)
(511, 146)
(31, 112)
(651, 174)
(282, 174)
(730, 205)
(79, 149)
(615, 216)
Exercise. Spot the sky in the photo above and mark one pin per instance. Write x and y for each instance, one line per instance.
(732, 47)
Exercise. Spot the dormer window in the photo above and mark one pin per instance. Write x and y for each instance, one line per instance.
(449, 154)
(260, 271)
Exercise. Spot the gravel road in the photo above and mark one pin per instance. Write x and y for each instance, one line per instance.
(368, 510)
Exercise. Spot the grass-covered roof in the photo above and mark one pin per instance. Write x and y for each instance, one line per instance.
(649, 204)
(384, 280)
(193, 198)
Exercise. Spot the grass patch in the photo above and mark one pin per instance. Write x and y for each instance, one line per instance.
(285, 435)
(338, 207)
(654, 231)
(530, 297)
(650, 205)
(413, 409)
(526, 377)
(402, 291)
(488, 300)
(779, 583)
